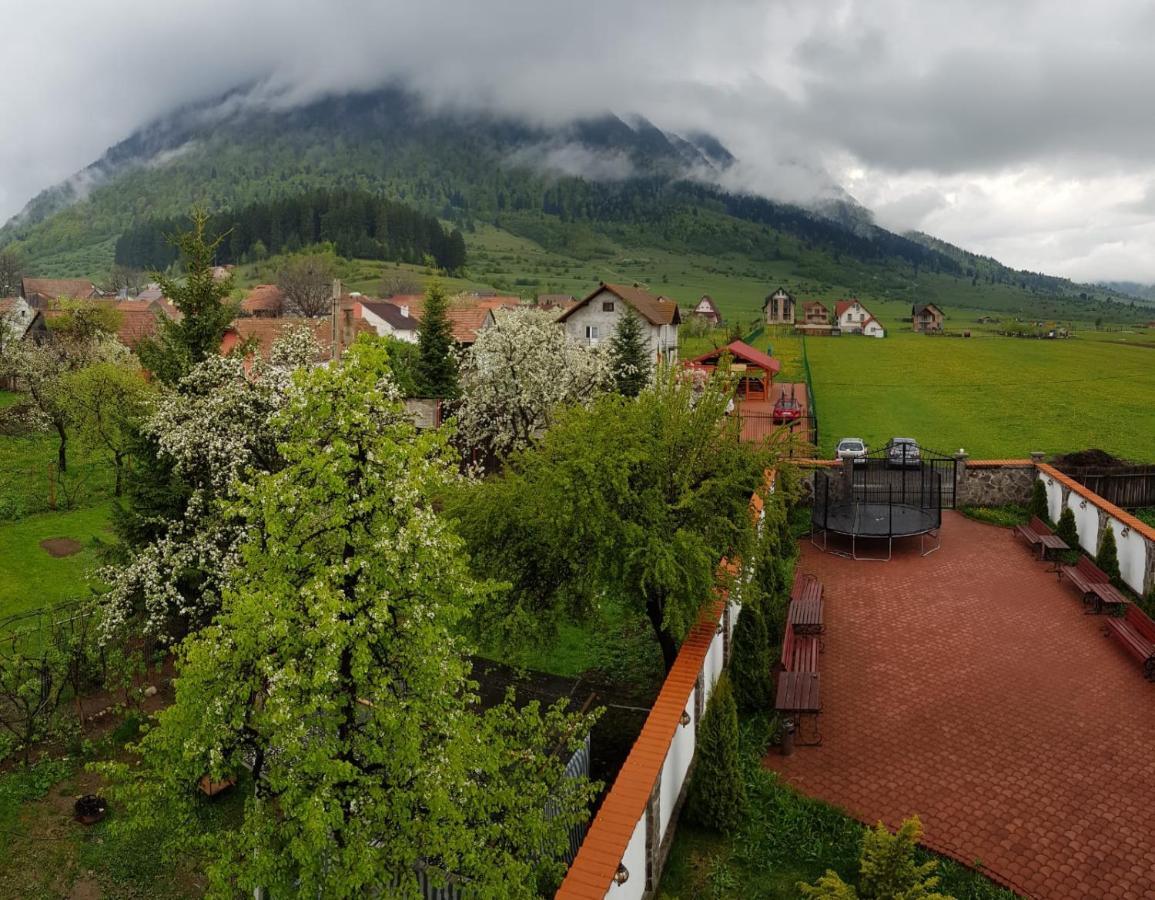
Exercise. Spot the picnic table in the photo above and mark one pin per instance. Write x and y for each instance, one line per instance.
(806, 615)
(1106, 595)
(799, 694)
(1051, 542)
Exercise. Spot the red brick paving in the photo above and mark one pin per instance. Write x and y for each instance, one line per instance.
(969, 687)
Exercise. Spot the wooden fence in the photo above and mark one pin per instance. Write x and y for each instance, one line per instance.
(1129, 488)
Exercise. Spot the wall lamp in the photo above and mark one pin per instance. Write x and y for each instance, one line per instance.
(1126, 531)
(685, 718)
(1082, 504)
(622, 875)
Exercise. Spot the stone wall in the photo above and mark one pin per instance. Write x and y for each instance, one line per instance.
(993, 482)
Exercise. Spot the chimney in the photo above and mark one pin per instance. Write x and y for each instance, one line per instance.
(405, 310)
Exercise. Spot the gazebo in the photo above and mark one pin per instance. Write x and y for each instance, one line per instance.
(755, 369)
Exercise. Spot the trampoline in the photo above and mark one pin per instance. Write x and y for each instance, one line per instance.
(874, 511)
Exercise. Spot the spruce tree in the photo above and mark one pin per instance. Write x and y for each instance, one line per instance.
(204, 305)
(718, 793)
(1108, 557)
(1038, 505)
(436, 370)
(1067, 529)
(751, 661)
(630, 356)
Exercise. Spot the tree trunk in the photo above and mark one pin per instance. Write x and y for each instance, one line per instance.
(62, 450)
(118, 465)
(654, 612)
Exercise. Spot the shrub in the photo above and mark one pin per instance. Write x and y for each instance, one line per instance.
(1038, 505)
(1107, 558)
(1067, 529)
(718, 793)
(888, 868)
(750, 664)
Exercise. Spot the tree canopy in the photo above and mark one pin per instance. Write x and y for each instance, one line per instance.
(635, 498)
(336, 673)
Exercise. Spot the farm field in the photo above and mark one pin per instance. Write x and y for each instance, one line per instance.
(994, 397)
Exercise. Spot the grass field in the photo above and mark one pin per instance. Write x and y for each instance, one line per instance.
(29, 576)
(994, 397)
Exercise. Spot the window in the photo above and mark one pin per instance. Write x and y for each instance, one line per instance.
(608, 306)
(592, 333)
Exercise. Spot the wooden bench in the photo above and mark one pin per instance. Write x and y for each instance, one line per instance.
(1033, 532)
(1093, 584)
(806, 587)
(799, 651)
(806, 605)
(1136, 633)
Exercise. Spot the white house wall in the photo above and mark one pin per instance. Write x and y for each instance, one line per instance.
(658, 338)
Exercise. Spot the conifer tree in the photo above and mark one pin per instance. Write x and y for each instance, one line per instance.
(630, 356)
(752, 659)
(436, 371)
(203, 302)
(1039, 505)
(718, 793)
(1067, 530)
(1107, 558)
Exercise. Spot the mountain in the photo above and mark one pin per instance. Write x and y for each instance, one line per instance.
(575, 190)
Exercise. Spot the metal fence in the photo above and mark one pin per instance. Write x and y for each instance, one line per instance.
(907, 476)
(811, 402)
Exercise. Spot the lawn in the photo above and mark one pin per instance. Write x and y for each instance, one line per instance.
(994, 397)
(29, 576)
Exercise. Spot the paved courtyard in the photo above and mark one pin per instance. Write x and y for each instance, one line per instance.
(969, 687)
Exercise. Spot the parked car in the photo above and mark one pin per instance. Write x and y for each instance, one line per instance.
(786, 409)
(902, 451)
(851, 448)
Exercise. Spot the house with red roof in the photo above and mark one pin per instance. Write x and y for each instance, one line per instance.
(39, 292)
(754, 369)
(595, 318)
(851, 317)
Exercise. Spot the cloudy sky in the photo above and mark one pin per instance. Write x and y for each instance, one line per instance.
(1019, 129)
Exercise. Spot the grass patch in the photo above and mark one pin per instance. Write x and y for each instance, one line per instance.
(1147, 515)
(30, 484)
(30, 577)
(996, 397)
(1007, 516)
(785, 838)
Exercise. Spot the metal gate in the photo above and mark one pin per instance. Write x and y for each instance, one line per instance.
(909, 474)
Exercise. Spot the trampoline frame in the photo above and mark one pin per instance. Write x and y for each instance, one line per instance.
(862, 499)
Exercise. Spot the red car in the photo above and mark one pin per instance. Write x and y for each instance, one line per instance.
(787, 409)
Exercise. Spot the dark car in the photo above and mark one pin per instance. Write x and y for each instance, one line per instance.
(903, 452)
(787, 409)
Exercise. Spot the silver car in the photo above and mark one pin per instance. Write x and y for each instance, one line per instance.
(903, 452)
(851, 448)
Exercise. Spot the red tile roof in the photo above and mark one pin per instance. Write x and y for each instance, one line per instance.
(264, 298)
(654, 309)
(58, 288)
(741, 352)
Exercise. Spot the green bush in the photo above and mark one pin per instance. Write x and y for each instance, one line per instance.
(718, 792)
(1067, 529)
(1107, 558)
(1038, 505)
(751, 661)
(888, 869)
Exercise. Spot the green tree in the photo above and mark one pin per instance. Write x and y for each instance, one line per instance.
(888, 869)
(752, 660)
(639, 499)
(336, 673)
(106, 400)
(717, 797)
(1107, 558)
(436, 367)
(630, 358)
(1039, 506)
(1067, 529)
(203, 301)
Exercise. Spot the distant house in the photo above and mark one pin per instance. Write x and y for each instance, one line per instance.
(265, 301)
(333, 336)
(39, 292)
(815, 318)
(389, 319)
(140, 319)
(986, 320)
(926, 318)
(595, 318)
(560, 302)
(708, 310)
(854, 318)
(19, 320)
(778, 308)
(222, 273)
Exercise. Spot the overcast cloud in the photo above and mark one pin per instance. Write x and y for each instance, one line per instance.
(1021, 130)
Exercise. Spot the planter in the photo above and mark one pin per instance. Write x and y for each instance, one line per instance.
(89, 809)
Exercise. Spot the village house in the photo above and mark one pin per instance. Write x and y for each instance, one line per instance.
(854, 318)
(815, 318)
(39, 292)
(335, 333)
(265, 301)
(594, 319)
(559, 302)
(708, 310)
(140, 319)
(926, 318)
(390, 319)
(468, 314)
(778, 308)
